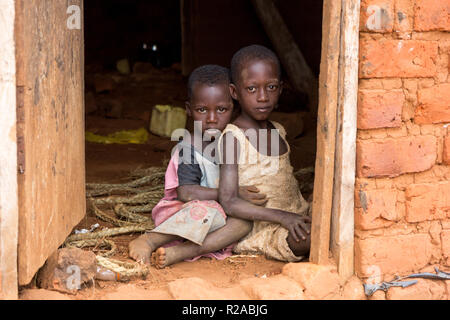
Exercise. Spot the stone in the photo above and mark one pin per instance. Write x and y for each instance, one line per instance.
(132, 292)
(278, 287)
(42, 294)
(318, 281)
(67, 269)
(353, 289)
(199, 289)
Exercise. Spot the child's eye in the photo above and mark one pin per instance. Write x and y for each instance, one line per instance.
(251, 89)
(222, 109)
(201, 110)
(272, 87)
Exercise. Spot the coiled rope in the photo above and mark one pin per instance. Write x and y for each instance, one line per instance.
(148, 189)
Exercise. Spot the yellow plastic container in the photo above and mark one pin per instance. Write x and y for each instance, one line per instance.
(165, 119)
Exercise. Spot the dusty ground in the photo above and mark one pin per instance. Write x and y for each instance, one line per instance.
(112, 163)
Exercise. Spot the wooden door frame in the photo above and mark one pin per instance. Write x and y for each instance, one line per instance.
(333, 202)
(9, 209)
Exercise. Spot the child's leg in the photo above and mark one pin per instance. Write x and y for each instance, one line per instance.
(140, 249)
(234, 230)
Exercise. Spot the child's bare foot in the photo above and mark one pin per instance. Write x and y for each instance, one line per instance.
(164, 257)
(140, 249)
(159, 258)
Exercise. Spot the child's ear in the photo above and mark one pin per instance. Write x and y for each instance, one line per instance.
(281, 86)
(187, 105)
(233, 91)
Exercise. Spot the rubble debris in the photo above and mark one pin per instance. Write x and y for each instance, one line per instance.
(67, 269)
(123, 66)
(165, 119)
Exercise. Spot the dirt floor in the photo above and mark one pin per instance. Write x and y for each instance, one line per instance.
(133, 96)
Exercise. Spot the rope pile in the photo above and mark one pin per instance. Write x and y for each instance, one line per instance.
(148, 189)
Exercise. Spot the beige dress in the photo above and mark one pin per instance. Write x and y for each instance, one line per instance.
(273, 176)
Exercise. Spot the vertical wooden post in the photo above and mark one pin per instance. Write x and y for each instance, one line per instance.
(9, 209)
(342, 218)
(326, 132)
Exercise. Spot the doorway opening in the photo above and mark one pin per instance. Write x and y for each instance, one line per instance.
(138, 54)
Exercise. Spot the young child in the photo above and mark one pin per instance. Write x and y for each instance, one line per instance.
(189, 210)
(281, 229)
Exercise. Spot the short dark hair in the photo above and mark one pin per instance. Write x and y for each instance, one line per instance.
(249, 53)
(210, 74)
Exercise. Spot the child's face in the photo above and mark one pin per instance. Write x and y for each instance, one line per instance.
(211, 105)
(258, 88)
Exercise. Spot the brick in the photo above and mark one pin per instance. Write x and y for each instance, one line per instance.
(446, 151)
(278, 287)
(445, 241)
(427, 201)
(422, 290)
(399, 254)
(377, 209)
(380, 108)
(434, 104)
(318, 281)
(432, 15)
(397, 58)
(377, 15)
(404, 16)
(393, 157)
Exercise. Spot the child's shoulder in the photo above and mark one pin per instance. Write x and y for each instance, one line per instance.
(279, 127)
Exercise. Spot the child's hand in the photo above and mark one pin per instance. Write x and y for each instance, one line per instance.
(298, 226)
(252, 195)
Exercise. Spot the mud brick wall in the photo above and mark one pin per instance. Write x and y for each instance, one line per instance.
(402, 191)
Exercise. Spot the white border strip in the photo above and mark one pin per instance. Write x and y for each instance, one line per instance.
(8, 154)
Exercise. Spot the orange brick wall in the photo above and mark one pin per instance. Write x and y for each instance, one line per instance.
(402, 191)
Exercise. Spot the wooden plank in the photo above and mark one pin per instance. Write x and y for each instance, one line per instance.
(326, 133)
(9, 211)
(295, 65)
(342, 218)
(51, 184)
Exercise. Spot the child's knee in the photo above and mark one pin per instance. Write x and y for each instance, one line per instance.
(240, 226)
(245, 226)
(300, 248)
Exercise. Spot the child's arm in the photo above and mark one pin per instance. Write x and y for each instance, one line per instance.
(188, 193)
(236, 207)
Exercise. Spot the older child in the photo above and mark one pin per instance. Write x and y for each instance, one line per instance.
(256, 152)
(189, 210)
